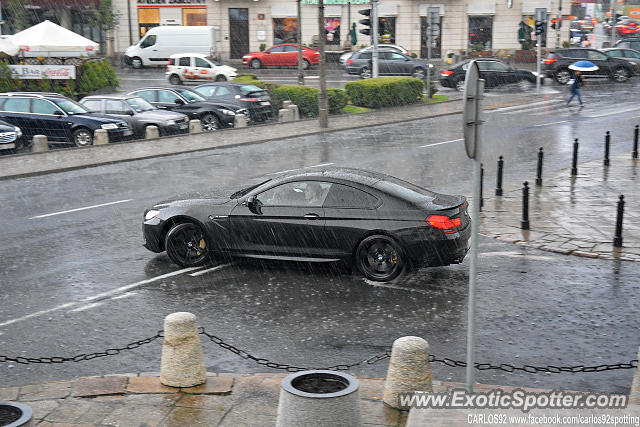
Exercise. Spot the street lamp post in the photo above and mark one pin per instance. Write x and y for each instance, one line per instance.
(323, 108)
(299, 37)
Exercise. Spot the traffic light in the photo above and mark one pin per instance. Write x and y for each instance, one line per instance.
(365, 22)
(553, 23)
(540, 27)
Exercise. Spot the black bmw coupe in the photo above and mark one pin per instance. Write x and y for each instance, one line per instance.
(379, 223)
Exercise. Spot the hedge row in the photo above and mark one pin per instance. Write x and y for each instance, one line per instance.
(90, 76)
(371, 93)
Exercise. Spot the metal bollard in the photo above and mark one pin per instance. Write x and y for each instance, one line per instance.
(499, 179)
(240, 121)
(100, 137)
(617, 239)
(635, 142)
(195, 126)
(539, 170)
(574, 162)
(151, 132)
(607, 141)
(182, 363)
(40, 144)
(525, 207)
(409, 370)
(481, 185)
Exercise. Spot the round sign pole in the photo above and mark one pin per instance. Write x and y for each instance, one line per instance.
(472, 122)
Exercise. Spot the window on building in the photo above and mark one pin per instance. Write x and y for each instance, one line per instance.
(147, 19)
(284, 30)
(387, 30)
(194, 17)
(480, 32)
(332, 28)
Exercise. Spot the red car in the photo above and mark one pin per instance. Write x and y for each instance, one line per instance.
(627, 27)
(281, 55)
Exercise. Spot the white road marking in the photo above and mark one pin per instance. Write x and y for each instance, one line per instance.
(552, 123)
(95, 297)
(522, 106)
(610, 113)
(209, 270)
(440, 143)
(81, 209)
(543, 109)
(321, 165)
(87, 307)
(385, 285)
(517, 255)
(126, 295)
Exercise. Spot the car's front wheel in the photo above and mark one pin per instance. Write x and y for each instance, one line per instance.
(221, 78)
(563, 76)
(459, 84)
(419, 73)
(380, 258)
(136, 63)
(210, 122)
(365, 73)
(306, 64)
(175, 79)
(255, 64)
(186, 245)
(620, 75)
(82, 137)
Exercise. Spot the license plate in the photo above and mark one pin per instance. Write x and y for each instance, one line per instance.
(184, 125)
(7, 146)
(128, 132)
(265, 103)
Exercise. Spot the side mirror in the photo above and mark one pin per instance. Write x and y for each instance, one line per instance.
(253, 204)
(179, 101)
(58, 113)
(266, 51)
(130, 112)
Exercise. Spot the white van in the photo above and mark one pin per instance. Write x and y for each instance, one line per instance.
(159, 43)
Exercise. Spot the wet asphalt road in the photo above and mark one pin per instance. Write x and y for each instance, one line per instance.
(80, 282)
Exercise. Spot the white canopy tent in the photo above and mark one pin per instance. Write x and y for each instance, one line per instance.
(7, 47)
(49, 39)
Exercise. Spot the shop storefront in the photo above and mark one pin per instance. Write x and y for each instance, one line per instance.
(152, 13)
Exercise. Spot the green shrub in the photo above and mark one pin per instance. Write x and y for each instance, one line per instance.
(242, 77)
(385, 91)
(263, 46)
(414, 55)
(337, 100)
(306, 98)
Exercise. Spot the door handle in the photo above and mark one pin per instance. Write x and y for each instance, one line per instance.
(312, 216)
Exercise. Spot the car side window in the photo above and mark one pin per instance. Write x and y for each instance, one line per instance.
(93, 104)
(484, 65)
(17, 105)
(222, 91)
(631, 54)
(346, 197)
(166, 96)
(147, 95)
(394, 56)
(598, 56)
(616, 53)
(277, 49)
(206, 91)
(299, 194)
(202, 63)
(185, 61)
(40, 106)
(576, 53)
(290, 49)
(499, 66)
(365, 55)
(115, 107)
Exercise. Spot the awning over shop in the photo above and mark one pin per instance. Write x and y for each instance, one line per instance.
(49, 37)
(7, 47)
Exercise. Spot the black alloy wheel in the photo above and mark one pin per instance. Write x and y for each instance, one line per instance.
(620, 75)
(380, 258)
(221, 78)
(175, 80)
(186, 245)
(365, 73)
(563, 76)
(210, 122)
(459, 84)
(419, 73)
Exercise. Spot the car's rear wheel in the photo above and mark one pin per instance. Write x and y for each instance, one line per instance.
(210, 122)
(221, 78)
(365, 73)
(136, 62)
(418, 73)
(306, 64)
(380, 258)
(620, 75)
(459, 84)
(525, 85)
(82, 137)
(255, 64)
(174, 79)
(186, 245)
(562, 76)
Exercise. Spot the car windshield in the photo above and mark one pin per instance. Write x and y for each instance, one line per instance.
(244, 191)
(190, 96)
(140, 105)
(70, 107)
(213, 61)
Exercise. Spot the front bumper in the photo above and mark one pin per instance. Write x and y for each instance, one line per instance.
(120, 134)
(152, 232)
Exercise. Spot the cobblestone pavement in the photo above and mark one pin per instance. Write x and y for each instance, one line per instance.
(572, 215)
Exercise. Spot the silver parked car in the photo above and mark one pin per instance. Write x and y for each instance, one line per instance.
(381, 47)
(138, 113)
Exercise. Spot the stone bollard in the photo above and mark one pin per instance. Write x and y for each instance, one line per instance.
(195, 126)
(634, 393)
(182, 360)
(240, 121)
(286, 104)
(295, 112)
(151, 132)
(284, 115)
(409, 370)
(319, 399)
(40, 144)
(100, 137)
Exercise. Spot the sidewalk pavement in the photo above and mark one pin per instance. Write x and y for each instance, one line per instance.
(224, 400)
(573, 215)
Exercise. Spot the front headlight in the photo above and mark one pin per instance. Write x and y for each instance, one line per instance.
(109, 126)
(18, 132)
(171, 122)
(151, 214)
(228, 112)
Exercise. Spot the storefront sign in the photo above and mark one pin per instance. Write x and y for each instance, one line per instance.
(326, 2)
(54, 72)
(261, 17)
(170, 3)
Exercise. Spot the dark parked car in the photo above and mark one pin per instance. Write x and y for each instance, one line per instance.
(252, 98)
(59, 118)
(390, 63)
(629, 43)
(493, 71)
(138, 114)
(556, 64)
(11, 138)
(377, 222)
(213, 115)
(629, 55)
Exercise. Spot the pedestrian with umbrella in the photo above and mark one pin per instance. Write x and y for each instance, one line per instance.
(577, 82)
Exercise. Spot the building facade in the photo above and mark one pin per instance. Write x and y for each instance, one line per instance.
(245, 25)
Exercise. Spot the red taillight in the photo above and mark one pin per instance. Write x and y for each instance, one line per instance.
(446, 73)
(349, 61)
(249, 99)
(549, 60)
(442, 222)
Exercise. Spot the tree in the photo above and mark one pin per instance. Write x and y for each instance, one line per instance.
(18, 15)
(105, 20)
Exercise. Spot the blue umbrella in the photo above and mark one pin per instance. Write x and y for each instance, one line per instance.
(583, 66)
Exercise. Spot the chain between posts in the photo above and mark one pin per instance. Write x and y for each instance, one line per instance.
(632, 364)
